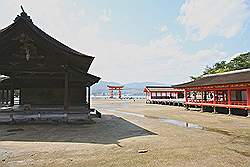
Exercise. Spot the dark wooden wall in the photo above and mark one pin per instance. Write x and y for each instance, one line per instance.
(52, 96)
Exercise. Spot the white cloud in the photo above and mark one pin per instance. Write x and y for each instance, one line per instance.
(221, 17)
(161, 60)
(162, 28)
(106, 15)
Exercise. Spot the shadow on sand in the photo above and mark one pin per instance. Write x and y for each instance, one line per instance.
(107, 130)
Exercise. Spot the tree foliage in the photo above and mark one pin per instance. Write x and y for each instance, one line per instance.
(240, 62)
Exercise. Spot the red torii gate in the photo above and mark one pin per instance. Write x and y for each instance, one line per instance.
(112, 88)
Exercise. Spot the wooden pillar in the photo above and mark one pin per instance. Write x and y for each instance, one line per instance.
(202, 108)
(229, 101)
(120, 93)
(88, 97)
(215, 99)
(214, 110)
(186, 96)
(186, 99)
(66, 91)
(12, 93)
(111, 93)
(20, 97)
(205, 96)
(4, 96)
(248, 101)
(12, 97)
(1, 96)
(8, 97)
(202, 98)
(248, 96)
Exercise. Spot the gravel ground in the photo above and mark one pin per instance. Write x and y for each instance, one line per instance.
(126, 128)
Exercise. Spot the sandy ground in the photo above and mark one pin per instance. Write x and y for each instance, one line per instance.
(114, 140)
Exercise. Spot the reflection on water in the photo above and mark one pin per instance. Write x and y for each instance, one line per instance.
(176, 122)
(133, 114)
(164, 120)
(181, 123)
(170, 121)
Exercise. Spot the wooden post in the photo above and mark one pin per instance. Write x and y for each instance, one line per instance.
(12, 97)
(8, 97)
(12, 93)
(205, 96)
(186, 99)
(248, 97)
(120, 93)
(248, 101)
(202, 108)
(215, 98)
(2, 94)
(88, 97)
(20, 97)
(66, 91)
(1, 97)
(229, 101)
(202, 97)
(111, 93)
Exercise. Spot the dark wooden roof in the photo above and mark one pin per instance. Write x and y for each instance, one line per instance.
(48, 57)
(233, 77)
(45, 46)
(160, 89)
(26, 19)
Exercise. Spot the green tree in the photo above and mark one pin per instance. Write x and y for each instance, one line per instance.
(240, 62)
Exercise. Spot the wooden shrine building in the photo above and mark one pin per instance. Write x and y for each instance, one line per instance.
(42, 71)
(164, 95)
(226, 92)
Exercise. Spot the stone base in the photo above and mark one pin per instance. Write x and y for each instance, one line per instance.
(46, 115)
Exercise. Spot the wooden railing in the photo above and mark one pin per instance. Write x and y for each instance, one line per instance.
(243, 102)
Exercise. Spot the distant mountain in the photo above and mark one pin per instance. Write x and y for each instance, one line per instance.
(100, 88)
(140, 85)
(130, 89)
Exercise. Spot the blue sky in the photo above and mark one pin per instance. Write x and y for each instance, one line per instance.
(144, 40)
